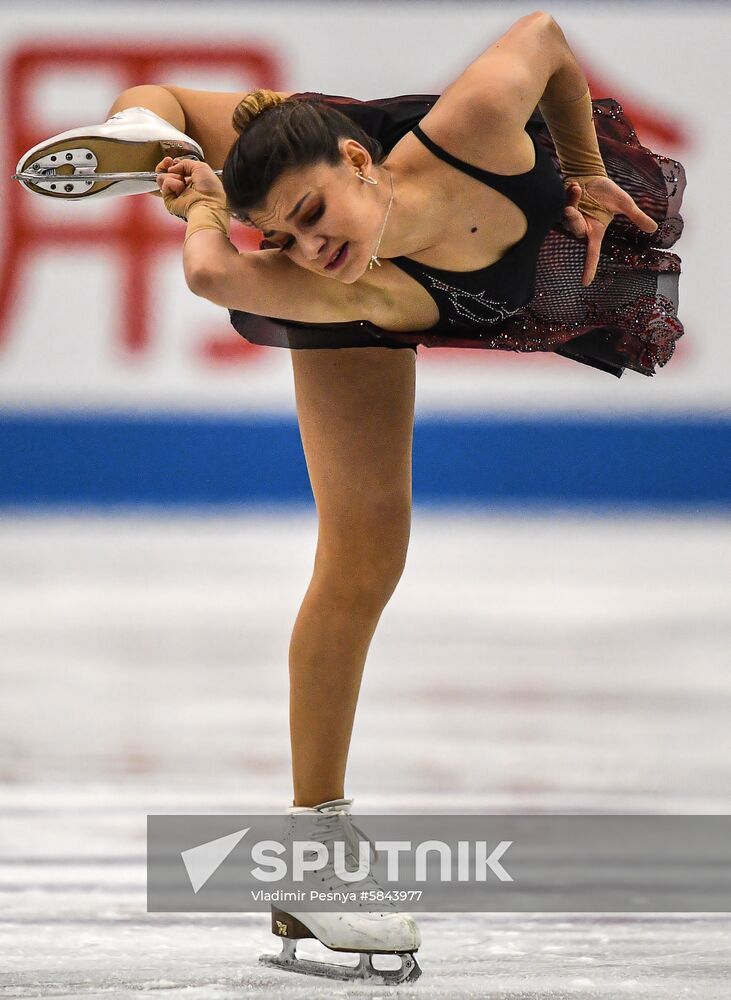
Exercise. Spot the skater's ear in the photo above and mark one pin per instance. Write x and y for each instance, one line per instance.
(355, 155)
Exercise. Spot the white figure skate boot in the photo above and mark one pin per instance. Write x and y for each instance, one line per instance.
(98, 161)
(360, 931)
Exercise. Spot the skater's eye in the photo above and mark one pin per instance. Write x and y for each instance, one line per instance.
(314, 216)
(271, 245)
(288, 244)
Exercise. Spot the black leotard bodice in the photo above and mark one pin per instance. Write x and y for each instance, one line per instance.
(469, 299)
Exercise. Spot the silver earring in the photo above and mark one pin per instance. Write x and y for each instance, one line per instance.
(366, 180)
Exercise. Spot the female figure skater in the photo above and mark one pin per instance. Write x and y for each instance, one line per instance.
(477, 219)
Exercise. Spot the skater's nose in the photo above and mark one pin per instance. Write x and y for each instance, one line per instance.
(313, 247)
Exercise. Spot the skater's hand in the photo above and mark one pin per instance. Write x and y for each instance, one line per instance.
(591, 204)
(183, 183)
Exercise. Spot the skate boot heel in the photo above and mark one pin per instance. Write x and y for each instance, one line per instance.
(179, 150)
(284, 925)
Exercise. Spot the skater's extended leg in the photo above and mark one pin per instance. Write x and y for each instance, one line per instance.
(355, 409)
(120, 155)
(204, 115)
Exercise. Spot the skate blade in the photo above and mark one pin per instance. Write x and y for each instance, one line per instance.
(130, 175)
(78, 168)
(365, 970)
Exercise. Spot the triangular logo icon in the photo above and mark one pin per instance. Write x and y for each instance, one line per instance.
(203, 861)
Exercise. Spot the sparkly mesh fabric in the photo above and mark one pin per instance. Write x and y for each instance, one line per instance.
(627, 317)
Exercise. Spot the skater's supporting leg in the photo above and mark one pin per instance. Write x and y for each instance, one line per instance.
(355, 409)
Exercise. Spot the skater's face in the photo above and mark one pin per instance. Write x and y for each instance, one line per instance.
(324, 218)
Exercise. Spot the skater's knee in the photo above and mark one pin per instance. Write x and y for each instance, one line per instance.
(362, 585)
(154, 97)
(361, 555)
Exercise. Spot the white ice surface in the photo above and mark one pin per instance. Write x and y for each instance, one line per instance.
(552, 664)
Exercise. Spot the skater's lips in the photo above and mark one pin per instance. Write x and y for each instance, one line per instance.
(338, 257)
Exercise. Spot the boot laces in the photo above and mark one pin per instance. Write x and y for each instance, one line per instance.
(326, 828)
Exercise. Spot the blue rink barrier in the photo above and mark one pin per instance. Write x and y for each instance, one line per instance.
(112, 460)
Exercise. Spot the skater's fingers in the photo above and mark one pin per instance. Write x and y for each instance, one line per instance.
(200, 173)
(203, 179)
(176, 167)
(573, 195)
(171, 185)
(575, 222)
(185, 168)
(161, 170)
(635, 214)
(594, 238)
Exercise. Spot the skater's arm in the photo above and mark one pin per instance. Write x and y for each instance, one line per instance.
(267, 283)
(491, 101)
(263, 282)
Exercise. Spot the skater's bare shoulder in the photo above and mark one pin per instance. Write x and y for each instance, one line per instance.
(481, 115)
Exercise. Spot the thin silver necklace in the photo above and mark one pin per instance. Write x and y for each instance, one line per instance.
(374, 257)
